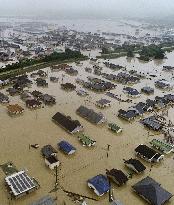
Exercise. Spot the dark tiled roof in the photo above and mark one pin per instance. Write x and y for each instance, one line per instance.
(103, 101)
(152, 123)
(147, 90)
(89, 114)
(130, 114)
(47, 200)
(66, 122)
(52, 159)
(117, 175)
(33, 102)
(152, 191)
(48, 150)
(137, 164)
(145, 151)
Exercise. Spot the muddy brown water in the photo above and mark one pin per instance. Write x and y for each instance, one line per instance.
(37, 127)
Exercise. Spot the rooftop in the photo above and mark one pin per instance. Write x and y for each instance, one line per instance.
(20, 183)
(149, 189)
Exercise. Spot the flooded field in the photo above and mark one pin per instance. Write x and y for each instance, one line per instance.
(37, 127)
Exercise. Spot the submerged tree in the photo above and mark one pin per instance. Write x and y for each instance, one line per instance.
(151, 51)
(130, 53)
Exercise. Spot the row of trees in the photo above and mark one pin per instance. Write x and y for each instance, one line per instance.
(68, 54)
(122, 48)
(145, 52)
(151, 51)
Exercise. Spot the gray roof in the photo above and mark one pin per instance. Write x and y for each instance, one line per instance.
(89, 114)
(116, 202)
(48, 150)
(152, 191)
(47, 200)
(103, 101)
(3, 97)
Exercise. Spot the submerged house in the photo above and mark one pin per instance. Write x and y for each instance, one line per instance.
(20, 184)
(59, 67)
(15, 109)
(100, 184)
(151, 191)
(147, 90)
(112, 66)
(168, 68)
(102, 103)
(52, 162)
(33, 103)
(54, 79)
(48, 151)
(37, 94)
(71, 71)
(135, 165)
(141, 108)
(4, 82)
(98, 85)
(46, 200)
(72, 126)
(90, 115)
(115, 128)
(163, 84)
(88, 70)
(148, 154)
(132, 92)
(86, 140)
(50, 156)
(66, 147)
(150, 104)
(48, 99)
(82, 92)
(41, 73)
(117, 176)
(126, 78)
(169, 98)
(26, 96)
(116, 202)
(152, 123)
(162, 146)
(3, 98)
(68, 86)
(128, 115)
(41, 82)
(21, 81)
(161, 102)
(14, 91)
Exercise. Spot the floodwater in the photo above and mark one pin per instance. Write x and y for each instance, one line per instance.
(118, 26)
(37, 127)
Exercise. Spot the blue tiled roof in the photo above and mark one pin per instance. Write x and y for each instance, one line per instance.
(101, 183)
(65, 146)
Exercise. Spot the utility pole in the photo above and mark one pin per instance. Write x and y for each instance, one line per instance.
(36, 114)
(108, 149)
(56, 183)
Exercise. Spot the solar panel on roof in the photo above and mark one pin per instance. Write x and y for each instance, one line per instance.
(25, 181)
(20, 183)
(17, 184)
(14, 186)
(28, 180)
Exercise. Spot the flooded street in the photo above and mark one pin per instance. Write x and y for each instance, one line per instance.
(36, 126)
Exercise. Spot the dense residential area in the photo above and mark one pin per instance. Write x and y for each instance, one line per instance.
(86, 112)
